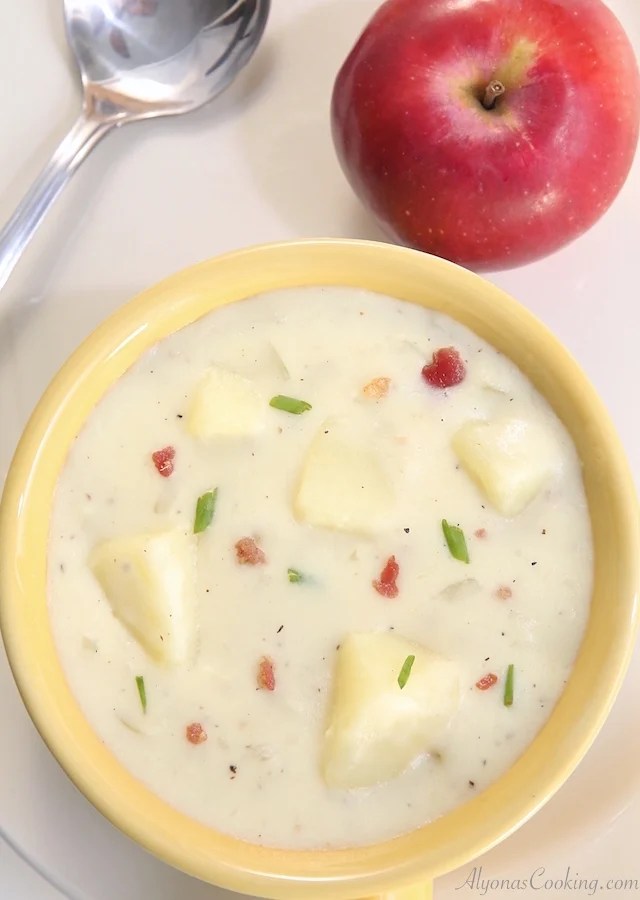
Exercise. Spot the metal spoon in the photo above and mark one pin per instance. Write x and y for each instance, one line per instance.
(138, 59)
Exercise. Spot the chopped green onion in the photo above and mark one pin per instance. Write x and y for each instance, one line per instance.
(456, 542)
(205, 508)
(508, 687)
(405, 671)
(142, 693)
(289, 404)
(294, 576)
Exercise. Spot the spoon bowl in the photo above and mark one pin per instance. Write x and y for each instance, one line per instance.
(144, 58)
(138, 59)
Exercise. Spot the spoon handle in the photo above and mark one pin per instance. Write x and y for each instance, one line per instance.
(16, 234)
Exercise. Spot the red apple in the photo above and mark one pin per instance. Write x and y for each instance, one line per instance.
(490, 132)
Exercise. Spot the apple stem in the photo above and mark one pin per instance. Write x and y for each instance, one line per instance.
(492, 91)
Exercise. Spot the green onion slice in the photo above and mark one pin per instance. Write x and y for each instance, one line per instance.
(142, 693)
(294, 576)
(508, 687)
(405, 671)
(289, 404)
(456, 542)
(205, 508)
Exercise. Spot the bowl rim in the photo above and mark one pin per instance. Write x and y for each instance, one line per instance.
(467, 831)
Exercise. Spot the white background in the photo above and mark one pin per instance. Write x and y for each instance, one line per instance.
(255, 166)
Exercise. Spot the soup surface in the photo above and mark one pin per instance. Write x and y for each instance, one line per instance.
(224, 712)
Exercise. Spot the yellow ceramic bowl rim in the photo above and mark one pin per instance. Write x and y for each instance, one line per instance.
(604, 655)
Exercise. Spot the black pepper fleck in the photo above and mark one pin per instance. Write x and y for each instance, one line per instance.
(472, 783)
(534, 563)
(279, 629)
(407, 530)
(178, 415)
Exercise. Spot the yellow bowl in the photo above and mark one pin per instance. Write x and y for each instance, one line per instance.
(605, 652)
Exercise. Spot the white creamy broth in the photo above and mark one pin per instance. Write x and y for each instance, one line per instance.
(258, 775)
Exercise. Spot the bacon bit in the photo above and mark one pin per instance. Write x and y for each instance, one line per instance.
(386, 585)
(248, 553)
(377, 388)
(487, 681)
(266, 674)
(196, 733)
(480, 533)
(504, 592)
(163, 461)
(446, 368)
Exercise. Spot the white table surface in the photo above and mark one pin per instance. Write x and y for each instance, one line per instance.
(255, 166)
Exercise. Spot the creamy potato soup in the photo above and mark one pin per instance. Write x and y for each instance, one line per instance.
(320, 564)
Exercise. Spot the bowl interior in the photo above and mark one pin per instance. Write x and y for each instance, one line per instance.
(24, 518)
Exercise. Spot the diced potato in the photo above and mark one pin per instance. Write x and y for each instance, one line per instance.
(225, 404)
(276, 362)
(150, 582)
(376, 729)
(510, 459)
(343, 486)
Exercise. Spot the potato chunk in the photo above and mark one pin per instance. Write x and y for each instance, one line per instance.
(510, 459)
(150, 582)
(225, 404)
(343, 486)
(376, 728)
